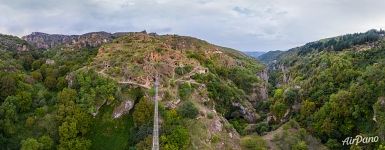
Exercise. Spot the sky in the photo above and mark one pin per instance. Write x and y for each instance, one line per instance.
(246, 25)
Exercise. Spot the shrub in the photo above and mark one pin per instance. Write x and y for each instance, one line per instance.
(278, 109)
(50, 82)
(278, 93)
(46, 142)
(185, 91)
(178, 139)
(210, 115)
(262, 127)
(188, 110)
(30, 144)
(143, 112)
(301, 145)
(40, 111)
(333, 144)
(239, 125)
(183, 70)
(36, 75)
(253, 143)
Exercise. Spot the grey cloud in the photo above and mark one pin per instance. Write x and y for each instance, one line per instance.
(241, 24)
(243, 11)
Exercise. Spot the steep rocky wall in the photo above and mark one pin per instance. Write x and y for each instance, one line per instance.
(262, 89)
(93, 39)
(13, 43)
(45, 41)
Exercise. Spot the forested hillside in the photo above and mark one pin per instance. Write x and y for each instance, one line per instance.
(270, 56)
(334, 88)
(96, 93)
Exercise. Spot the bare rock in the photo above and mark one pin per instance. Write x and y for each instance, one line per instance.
(123, 108)
(50, 62)
(247, 112)
(216, 125)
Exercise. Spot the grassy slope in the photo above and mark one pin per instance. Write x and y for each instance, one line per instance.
(108, 133)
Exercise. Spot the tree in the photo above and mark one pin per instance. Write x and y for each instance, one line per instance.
(50, 82)
(278, 109)
(36, 64)
(36, 75)
(185, 91)
(8, 115)
(30, 144)
(67, 131)
(143, 112)
(67, 96)
(144, 144)
(61, 83)
(333, 144)
(379, 111)
(75, 122)
(188, 110)
(75, 144)
(27, 61)
(69, 138)
(178, 139)
(171, 118)
(278, 94)
(8, 108)
(7, 86)
(93, 88)
(46, 142)
(290, 96)
(24, 100)
(307, 108)
(30, 121)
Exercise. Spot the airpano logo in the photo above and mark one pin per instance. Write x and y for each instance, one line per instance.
(360, 139)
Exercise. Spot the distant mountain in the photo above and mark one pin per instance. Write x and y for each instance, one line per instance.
(93, 39)
(269, 56)
(255, 54)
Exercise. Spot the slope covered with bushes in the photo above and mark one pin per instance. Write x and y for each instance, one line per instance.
(333, 87)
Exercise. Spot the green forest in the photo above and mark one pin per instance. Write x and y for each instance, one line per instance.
(334, 88)
(101, 96)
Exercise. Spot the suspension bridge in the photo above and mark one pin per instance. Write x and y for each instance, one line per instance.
(155, 138)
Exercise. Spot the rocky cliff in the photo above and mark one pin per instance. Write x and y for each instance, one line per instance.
(13, 43)
(93, 39)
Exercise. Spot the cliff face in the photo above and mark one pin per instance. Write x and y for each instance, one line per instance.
(13, 43)
(46, 41)
(263, 91)
(93, 39)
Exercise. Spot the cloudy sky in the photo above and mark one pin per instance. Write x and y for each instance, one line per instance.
(247, 25)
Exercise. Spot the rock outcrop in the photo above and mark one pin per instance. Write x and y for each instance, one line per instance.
(123, 108)
(247, 112)
(262, 89)
(13, 43)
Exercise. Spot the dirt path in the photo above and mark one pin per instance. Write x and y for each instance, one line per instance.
(102, 73)
(192, 72)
